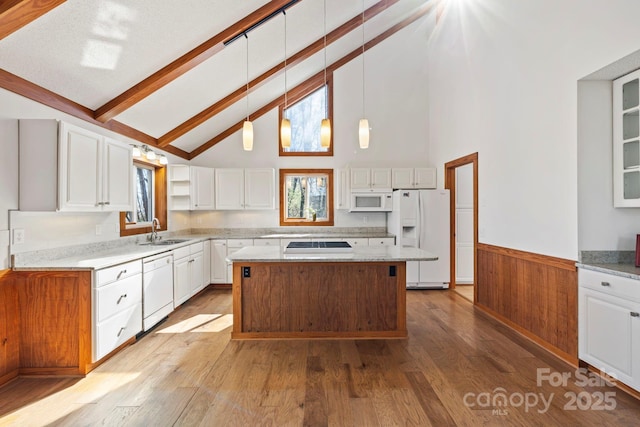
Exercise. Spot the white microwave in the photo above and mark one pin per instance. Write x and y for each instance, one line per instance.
(371, 202)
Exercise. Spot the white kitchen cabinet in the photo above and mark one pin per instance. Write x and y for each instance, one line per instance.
(218, 261)
(234, 245)
(266, 242)
(343, 193)
(206, 261)
(420, 178)
(370, 179)
(382, 241)
(201, 188)
(626, 140)
(188, 272)
(117, 307)
(76, 170)
(609, 324)
(179, 187)
(357, 242)
(238, 189)
(229, 184)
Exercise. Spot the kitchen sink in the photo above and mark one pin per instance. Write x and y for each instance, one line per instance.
(166, 242)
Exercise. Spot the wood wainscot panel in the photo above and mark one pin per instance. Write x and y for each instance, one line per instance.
(55, 334)
(537, 295)
(9, 327)
(319, 300)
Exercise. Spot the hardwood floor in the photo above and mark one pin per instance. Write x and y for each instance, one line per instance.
(449, 372)
(465, 291)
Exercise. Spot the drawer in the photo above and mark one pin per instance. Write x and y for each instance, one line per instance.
(327, 239)
(182, 252)
(117, 272)
(383, 241)
(610, 284)
(266, 242)
(196, 247)
(239, 243)
(116, 330)
(118, 296)
(359, 242)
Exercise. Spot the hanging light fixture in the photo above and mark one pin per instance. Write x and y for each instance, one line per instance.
(163, 160)
(148, 153)
(325, 127)
(363, 127)
(135, 151)
(285, 125)
(247, 126)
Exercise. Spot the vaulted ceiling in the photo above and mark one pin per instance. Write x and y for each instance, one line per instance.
(159, 71)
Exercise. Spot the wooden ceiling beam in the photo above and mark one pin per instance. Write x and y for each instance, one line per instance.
(309, 84)
(183, 64)
(296, 58)
(29, 90)
(15, 14)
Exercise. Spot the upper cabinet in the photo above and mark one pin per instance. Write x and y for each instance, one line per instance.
(191, 188)
(238, 189)
(370, 179)
(74, 169)
(201, 188)
(421, 178)
(626, 141)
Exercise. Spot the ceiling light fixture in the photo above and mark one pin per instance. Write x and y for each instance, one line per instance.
(148, 153)
(247, 126)
(363, 126)
(163, 160)
(135, 151)
(285, 125)
(325, 127)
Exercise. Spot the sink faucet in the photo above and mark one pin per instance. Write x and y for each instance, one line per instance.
(155, 224)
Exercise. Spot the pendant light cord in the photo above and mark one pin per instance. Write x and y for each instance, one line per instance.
(247, 68)
(363, 104)
(325, 42)
(284, 12)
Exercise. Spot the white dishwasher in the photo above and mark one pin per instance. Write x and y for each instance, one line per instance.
(157, 289)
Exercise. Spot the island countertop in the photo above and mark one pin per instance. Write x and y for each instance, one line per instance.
(359, 254)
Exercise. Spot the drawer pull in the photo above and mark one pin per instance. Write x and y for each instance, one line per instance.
(120, 331)
(635, 314)
(605, 283)
(120, 299)
(121, 273)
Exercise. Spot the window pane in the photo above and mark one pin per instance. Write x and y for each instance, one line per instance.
(318, 196)
(306, 195)
(143, 197)
(306, 117)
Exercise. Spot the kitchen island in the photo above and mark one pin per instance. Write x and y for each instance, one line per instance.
(361, 294)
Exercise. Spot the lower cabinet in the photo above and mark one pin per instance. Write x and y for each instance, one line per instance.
(188, 272)
(218, 261)
(609, 324)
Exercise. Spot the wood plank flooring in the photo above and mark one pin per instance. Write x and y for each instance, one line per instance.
(450, 372)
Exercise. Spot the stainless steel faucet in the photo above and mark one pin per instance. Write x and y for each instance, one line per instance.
(155, 224)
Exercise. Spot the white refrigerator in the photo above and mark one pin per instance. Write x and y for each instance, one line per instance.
(420, 218)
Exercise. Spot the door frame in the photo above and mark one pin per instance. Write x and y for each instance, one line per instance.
(450, 184)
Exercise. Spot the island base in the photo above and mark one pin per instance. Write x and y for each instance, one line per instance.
(319, 300)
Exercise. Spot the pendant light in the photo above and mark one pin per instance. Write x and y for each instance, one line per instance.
(325, 127)
(285, 125)
(363, 126)
(247, 126)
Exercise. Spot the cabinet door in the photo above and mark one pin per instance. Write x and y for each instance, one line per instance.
(259, 188)
(425, 178)
(626, 141)
(402, 178)
(80, 169)
(202, 188)
(342, 189)
(229, 189)
(181, 281)
(381, 178)
(196, 272)
(606, 332)
(117, 194)
(218, 263)
(383, 241)
(206, 262)
(360, 178)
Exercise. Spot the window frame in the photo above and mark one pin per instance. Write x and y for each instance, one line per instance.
(297, 95)
(283, 197)
(141, 165)
(160, 202)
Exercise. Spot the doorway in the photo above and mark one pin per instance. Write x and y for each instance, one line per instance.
(461, 178)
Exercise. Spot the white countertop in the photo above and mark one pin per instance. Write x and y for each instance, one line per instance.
(359, 254)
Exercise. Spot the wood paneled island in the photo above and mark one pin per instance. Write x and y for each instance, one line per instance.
(361, 294)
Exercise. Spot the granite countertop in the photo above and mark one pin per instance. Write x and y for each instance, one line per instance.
(105, 254)
(617, 269)
(618, 263)
(360, 254)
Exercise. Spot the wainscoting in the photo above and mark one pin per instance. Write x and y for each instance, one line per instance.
(536, 295)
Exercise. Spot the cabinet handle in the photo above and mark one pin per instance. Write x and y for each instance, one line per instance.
(605, 284)
(106, 203)
(121, 273)
(120, 299)
(635, 314)
(121, 330)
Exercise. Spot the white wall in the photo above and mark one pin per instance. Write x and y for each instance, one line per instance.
(503, 82)
(8, 183)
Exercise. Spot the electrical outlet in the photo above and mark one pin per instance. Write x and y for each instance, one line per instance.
(18, 236)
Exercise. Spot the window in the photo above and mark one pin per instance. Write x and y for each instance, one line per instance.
(149, 199)
(306, 114)
(306, 197)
